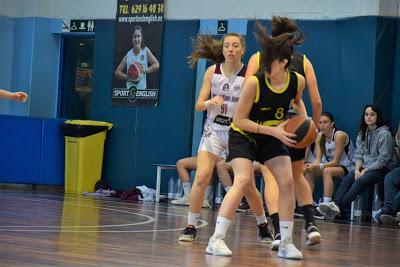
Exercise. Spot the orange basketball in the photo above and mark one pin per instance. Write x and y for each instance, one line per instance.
(304, 129)
(134, 72)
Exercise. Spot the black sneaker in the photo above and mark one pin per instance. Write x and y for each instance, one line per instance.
(313, 235)
(265, 233)
(244, 206)
(276, 242)
(298, 213)
(188, 234)
(318, 215)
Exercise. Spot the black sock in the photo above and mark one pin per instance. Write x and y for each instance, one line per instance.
(275, 222)
(308, 212)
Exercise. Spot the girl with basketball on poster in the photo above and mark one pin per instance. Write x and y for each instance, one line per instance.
(257, 134)
(220, 91)
(137, 63)
(300, 64)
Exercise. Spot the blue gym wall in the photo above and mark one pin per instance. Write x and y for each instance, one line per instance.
(356, 61)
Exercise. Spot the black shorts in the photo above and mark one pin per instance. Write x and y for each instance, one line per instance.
(260, 149)
(297, 153)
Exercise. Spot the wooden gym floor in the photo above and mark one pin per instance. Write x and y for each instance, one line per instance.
(73, 230)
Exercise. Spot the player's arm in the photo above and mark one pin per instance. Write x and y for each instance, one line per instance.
(120, 71)
(253, 65)
(204, 101)
(153, 62)
(313, 91)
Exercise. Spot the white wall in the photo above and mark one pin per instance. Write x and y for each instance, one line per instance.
(205, 9)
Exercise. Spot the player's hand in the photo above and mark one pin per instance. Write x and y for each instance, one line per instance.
(216, 100)
(20, 96)
(280, 133)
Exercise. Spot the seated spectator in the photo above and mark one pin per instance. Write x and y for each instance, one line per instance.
(374, 157)
(184, 166)
(334, 156)
(387, 213)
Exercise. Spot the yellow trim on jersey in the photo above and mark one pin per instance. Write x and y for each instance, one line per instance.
(304, 64)
(271, 122)
(257, 89)
(258, 59)
(281, 91)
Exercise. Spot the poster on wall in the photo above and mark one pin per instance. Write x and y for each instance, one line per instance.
(137, 53)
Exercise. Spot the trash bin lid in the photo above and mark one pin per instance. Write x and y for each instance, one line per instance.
(83, 128)
(90, 123)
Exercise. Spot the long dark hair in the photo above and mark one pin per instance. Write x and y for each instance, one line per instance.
(279, 47)
(379, 121)
(207, 47)
(323, 138)
(281, 25)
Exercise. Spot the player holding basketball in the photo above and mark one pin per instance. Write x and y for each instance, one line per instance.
(303, 66)
(219, 94)
(257, 133)
(137, 63)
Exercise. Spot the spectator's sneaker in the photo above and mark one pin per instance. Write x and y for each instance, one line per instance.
(188, 234)
(206, 204)
(276, 242)
(389, 220)
(313, 235)
(288, 250)
(330, 209)
(377, 216)
(265, 234)
(216, 246)
(244, 206)
(183, 201)
(298, 213)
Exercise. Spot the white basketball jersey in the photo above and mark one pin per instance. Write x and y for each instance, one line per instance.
(142, 58)
(347, 159)
(220, 117)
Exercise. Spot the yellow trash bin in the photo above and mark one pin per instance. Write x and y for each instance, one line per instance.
(84, 147)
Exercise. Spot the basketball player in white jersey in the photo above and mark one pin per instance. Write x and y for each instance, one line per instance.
(334, 156)
(140, 55)
(219, 94)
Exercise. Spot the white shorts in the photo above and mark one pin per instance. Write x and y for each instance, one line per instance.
(214, 141)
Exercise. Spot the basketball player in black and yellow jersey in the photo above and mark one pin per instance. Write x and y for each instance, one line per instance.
(303, 66)
(257, 134)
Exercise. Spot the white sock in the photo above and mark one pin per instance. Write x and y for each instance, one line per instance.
(327, 199)
(227, 188)
(193, 218)
(261, 219)
(286, 228)
(209, 192)
(186, 188)
(221, 227)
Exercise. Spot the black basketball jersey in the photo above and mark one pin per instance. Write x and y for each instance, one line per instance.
(297, 64)
(270, 106)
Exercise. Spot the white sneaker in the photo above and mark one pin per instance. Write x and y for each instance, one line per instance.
(276, 242)
(183, 201)
(207, 203)
(216, 246)
(288, 250)
(313, 235)
(330, 209)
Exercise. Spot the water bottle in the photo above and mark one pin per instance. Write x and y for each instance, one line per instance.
(171, 188)
(376, 205)
(178, 189)
(358, 207)
(219, 195)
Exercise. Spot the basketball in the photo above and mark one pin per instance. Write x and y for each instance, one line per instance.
(134, 72)
(304, 129)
